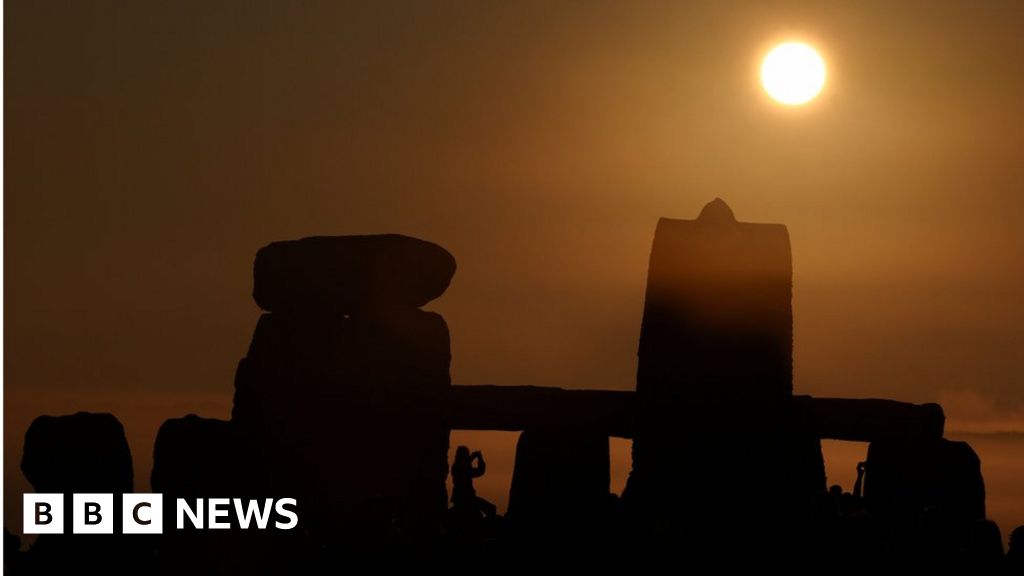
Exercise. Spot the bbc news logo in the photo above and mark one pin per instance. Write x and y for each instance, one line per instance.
(143, 513)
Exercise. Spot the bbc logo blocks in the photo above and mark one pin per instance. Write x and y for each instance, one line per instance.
(93, 514)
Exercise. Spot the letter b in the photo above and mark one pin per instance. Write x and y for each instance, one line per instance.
(43, 513)
(91, 513)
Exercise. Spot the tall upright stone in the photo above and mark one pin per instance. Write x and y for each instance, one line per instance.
(344, 381)
(714, 434)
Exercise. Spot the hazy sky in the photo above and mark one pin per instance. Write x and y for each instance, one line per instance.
(152, 147)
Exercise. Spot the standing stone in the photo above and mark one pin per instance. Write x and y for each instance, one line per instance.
(344, 381)
(201, 458)
(907, 478)
(197, 457)
(714, 437)
(81, 453)
(560, 484)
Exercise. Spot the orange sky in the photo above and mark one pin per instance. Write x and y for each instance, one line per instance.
(151, 148)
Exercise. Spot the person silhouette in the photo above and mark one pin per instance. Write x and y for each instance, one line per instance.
(463, 473)
(984, 550)
(858, 485)
(1015, 553)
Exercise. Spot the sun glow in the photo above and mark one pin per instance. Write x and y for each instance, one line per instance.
(793, 73)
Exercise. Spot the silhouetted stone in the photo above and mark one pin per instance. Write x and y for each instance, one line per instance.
(905, 477)
(81, 452)
(344, 274)
(613, 412)
(344, 402)
(196, 459)
(356, 405)
(717, 212)
(344, 383)
(201, 458)
(560, 484)
(871, 419)
(798, 468)
(714, 381)
(718, 320)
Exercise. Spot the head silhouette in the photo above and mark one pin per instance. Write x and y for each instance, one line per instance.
(1017, 540)
(986, 543)
(1015, 552)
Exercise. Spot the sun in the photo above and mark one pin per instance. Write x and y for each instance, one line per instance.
(793, 73)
